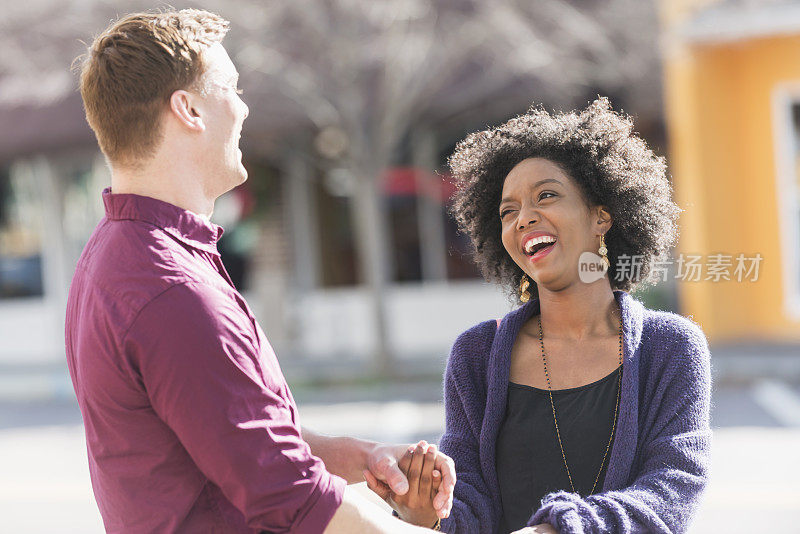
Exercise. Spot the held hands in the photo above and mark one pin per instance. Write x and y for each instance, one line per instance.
(388, 478)
(416, 506)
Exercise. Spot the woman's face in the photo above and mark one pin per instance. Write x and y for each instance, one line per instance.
(540, 201)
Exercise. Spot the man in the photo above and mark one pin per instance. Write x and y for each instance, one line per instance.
(190, 424)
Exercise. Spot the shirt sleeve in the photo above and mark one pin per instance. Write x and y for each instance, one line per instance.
(674, 464)
(197, 354)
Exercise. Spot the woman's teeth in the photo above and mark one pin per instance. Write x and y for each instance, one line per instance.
(531, 245)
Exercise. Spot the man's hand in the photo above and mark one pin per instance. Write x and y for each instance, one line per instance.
(382, 466)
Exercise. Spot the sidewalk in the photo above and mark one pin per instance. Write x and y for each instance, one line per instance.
(44, 466)
(755, 414)
(731, 364)
(745, 362)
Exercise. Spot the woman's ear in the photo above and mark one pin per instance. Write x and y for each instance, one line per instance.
(603, 220)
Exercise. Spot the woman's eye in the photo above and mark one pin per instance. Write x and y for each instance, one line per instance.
(504, 213)
(546, 193)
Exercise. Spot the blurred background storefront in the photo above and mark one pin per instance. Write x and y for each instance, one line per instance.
(732, 86)
(340, 237)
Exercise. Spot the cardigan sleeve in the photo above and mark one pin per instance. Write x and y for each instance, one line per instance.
(674, 462)
(472, 510)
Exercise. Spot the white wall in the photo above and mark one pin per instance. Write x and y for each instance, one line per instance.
(31, 332)
(423, 319)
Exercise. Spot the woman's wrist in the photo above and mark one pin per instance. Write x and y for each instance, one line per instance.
(436, 526)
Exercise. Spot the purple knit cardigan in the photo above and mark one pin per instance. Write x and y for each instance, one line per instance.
(660, 458)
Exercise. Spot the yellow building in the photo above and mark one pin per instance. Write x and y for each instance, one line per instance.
(732, 94)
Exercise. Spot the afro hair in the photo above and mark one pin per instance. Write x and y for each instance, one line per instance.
(612, 166)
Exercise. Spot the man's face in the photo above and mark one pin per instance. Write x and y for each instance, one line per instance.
(224, 113)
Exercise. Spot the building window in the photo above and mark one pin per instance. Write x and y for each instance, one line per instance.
(337, 245)
(404, 227)
(403, 205)
(787, 120)
(20, 237)
(791, 188)
(460, 265)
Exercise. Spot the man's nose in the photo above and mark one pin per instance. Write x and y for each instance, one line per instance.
(246, 110)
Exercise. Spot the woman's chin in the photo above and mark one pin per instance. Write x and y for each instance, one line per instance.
(547, 274)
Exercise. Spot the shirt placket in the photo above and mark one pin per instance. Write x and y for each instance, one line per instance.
(220, 267)
(216, 261)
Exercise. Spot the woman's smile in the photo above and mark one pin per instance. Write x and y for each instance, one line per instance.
(542, 252)
(537, 245)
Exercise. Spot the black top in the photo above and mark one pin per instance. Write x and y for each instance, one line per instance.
(529, 461)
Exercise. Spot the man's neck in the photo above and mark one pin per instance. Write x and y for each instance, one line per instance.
(172, 184)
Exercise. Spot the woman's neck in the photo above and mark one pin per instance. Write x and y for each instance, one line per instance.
(579, 312)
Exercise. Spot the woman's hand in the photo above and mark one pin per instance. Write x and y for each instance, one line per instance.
(416, 505)
(384, 476)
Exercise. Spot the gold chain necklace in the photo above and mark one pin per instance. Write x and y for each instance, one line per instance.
(553, 406)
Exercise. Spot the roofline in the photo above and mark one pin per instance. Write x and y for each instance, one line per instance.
(726, 23)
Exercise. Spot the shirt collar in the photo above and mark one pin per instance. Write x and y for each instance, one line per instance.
(188, 227)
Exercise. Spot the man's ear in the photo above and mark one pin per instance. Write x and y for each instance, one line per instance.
(183, 106)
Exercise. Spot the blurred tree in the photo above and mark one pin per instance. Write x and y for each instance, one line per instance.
(360, 75)
(371, 71)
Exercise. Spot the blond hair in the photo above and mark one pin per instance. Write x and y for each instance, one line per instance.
(131, 70)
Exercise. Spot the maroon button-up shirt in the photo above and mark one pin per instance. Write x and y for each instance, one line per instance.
(190, 426)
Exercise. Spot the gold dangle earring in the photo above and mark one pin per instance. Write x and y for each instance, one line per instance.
(603, 251)
(524, 295)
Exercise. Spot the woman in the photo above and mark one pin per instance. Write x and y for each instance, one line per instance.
(582, 410)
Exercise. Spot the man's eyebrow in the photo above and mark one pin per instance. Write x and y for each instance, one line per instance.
(233, 78)
(537, 184)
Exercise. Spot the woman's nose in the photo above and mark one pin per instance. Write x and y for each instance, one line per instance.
(526, 218)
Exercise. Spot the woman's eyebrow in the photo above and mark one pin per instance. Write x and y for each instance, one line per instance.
(537, 184)
(546, 180)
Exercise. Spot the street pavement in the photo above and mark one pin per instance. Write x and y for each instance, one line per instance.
(44, 479)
